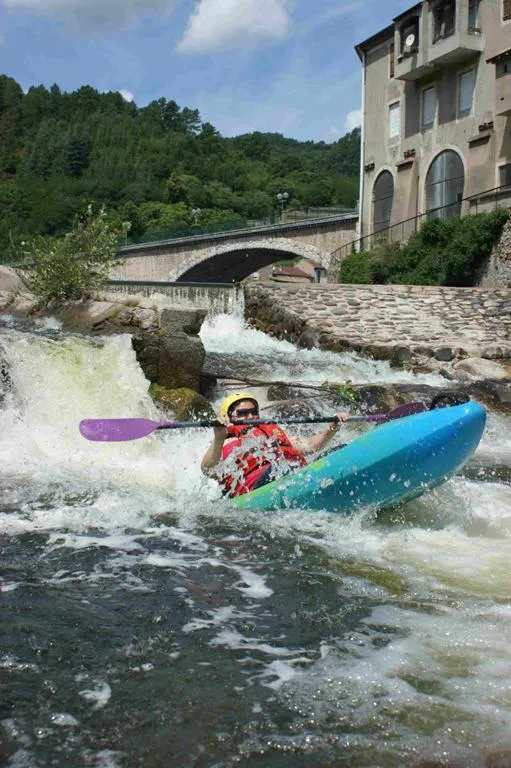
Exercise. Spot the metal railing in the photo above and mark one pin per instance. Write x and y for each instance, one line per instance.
(488, 200)
(289, 216)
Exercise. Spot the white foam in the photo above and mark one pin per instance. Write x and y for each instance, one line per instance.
(99, 696)
(229, 334)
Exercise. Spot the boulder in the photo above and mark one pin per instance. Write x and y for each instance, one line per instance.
(184, 403)
(10, 281)
(173, 355)
(479, 368)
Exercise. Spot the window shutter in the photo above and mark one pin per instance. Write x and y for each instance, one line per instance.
(394, 120)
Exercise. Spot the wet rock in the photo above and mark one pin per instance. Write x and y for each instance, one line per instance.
(401, 355)
(500, 759)
(478, 368)
(493, 394)
(173, 356)
(444, 354)
(308, 339)
(185, 404)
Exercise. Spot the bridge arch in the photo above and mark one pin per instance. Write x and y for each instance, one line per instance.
(233, 262)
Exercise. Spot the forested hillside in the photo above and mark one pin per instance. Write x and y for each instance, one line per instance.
(151, 166)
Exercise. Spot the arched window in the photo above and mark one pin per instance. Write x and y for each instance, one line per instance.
(383, 195)
(444, 186)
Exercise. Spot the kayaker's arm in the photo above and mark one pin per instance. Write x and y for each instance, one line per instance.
(214, 453)
(318, 441)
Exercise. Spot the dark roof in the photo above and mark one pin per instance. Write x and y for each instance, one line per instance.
(375, 40)
(408, 10)
(499, 56)
(383, 34)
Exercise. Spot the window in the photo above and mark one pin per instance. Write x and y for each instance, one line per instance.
(391, 60)
(409, 36)
(473, 14)
(465, 93)
(503, 68)
(428, 107)
(505, 175)
(383, 196)
(506, 10)
(394, 120)
(444, 186)
(444, 15)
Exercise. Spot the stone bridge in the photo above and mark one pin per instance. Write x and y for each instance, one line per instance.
(225, 257)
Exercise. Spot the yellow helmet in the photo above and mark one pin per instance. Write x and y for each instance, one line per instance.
(228, 402)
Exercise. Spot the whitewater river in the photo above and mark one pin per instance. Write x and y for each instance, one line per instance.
(145, 622)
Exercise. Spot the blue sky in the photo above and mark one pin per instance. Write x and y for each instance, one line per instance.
(284, 66)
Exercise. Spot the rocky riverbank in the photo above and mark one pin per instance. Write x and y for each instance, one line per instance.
(462, 333)
(166, 340)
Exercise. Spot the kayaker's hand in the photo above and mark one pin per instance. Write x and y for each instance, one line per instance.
(341, 416)
(221, 431)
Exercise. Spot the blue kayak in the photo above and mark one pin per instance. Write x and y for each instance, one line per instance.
(389, 464)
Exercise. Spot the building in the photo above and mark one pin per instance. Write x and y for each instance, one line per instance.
(437, 114)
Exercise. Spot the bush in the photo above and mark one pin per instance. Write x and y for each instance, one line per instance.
(65, 268)
(448, 252)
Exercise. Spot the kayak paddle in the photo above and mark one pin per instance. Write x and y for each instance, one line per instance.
(117, 430)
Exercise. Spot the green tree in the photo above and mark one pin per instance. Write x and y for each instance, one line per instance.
(65, 268)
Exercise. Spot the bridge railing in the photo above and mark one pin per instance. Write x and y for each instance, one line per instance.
(288, 218)
(487, 200)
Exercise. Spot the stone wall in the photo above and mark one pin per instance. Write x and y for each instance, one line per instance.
(425, 325)
(498, 270)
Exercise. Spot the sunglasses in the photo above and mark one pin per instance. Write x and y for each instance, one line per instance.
(243, 413)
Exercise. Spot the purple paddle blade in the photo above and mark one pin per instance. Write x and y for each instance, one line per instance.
(112, 430)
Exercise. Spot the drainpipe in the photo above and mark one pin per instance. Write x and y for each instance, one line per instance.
(362, 161)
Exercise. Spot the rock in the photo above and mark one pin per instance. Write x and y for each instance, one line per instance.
(481, 369)
(308, 339)
(401, 355)
(500, 759)
(494, 394)
(173, 355)
(444, 354)
(88, 315)
(184, 403)
(10, 281)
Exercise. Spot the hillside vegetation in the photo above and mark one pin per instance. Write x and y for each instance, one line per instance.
(151, 166)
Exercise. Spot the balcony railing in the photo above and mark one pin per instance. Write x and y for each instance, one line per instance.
(484, 201)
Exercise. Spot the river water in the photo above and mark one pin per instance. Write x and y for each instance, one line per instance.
(145, 622)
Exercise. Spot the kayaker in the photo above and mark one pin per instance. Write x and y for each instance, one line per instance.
(242, 458)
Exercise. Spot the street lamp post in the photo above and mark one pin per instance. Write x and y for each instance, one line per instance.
(126, 226)
(282, 197)
(196, 212)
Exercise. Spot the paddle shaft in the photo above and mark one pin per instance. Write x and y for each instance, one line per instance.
(257, 422)
(131, 429)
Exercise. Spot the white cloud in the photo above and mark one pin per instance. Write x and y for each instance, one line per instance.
(126, 95)
(93, 15)
(353, 119)
(219, 25)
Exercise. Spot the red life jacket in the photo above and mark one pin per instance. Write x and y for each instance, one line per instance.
(252, 461)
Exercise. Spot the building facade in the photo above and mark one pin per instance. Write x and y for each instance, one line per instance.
(436, 114)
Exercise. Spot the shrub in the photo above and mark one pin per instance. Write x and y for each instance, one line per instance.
(65, 268)
(448, 252)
